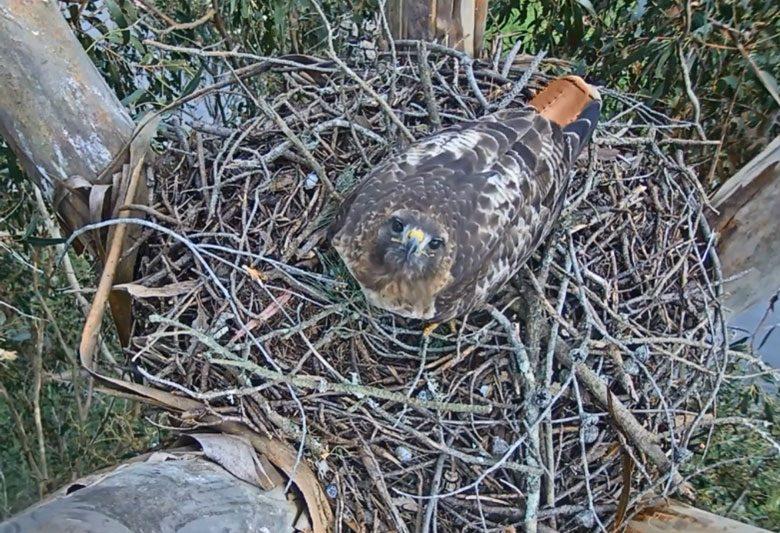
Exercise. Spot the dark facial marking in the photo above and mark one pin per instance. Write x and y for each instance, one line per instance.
(435, 244)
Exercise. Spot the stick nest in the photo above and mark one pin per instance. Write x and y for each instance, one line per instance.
(576, 396)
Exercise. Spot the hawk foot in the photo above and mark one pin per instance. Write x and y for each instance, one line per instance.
(430, 328)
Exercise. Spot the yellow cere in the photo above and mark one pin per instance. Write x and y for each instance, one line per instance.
(416, 234)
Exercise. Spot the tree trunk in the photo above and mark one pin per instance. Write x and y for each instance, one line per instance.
(67, 128)
(168, 492)
(748, 207)
(57, 113)
(458, 23)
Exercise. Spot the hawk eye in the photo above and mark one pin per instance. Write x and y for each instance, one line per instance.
(397, 225)
(435, 244)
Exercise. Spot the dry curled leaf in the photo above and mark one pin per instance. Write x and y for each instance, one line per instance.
(254, 273)
(7, 355)
(237, 456)
(136, 290)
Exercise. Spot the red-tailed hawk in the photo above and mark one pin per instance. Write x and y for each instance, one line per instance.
(432, 232)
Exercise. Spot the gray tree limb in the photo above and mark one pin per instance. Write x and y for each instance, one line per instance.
(167, 493)
(56, 111)
(748, 207)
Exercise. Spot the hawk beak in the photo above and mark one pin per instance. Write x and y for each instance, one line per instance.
(414, 238)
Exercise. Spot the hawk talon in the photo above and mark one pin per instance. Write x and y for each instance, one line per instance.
(430, 328)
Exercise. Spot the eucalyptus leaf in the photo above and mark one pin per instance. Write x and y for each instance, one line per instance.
(133, 97)
(118, 16)
(43, 241)
(194, 82)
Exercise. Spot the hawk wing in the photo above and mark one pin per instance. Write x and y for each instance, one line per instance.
(510, 206)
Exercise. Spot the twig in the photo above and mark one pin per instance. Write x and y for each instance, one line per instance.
(518, 87)
(36, 401)
(67, 266)
(430, 509)
(527, 371)
(375, 474)
(189, 25)
(352, 74)
(425, 78)
(691, 94)
(634, 431)
(311, 382)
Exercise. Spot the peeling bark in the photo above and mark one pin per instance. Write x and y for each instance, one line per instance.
(748, 207)
(56, 111)
(457, 23)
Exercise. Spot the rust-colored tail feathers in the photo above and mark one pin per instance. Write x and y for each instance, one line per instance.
(572, 104)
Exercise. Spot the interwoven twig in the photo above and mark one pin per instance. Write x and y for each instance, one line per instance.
(626, 286)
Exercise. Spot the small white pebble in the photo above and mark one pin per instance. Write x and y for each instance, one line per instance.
(403, 454)
(590, 434)
(311, 181)
(642, 353)
(499, 446)
(424, 395)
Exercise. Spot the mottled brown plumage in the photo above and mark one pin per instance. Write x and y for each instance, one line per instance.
(434, 231)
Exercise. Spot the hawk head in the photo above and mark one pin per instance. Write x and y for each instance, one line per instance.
(402, 258)
(411, 245)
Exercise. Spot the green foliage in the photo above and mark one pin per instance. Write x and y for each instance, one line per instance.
(40, 324)
(741, 477)
(272, 27)
(730, 49)
(120, 35)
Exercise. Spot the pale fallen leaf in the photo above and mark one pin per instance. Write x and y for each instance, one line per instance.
(237, 456)
(7, 355)
(137, 290)
(254, 273)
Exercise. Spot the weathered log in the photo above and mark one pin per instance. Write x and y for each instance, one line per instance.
(748, 206)
(57, 113)
(165, 493)
(671, 516)
(460, 24)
